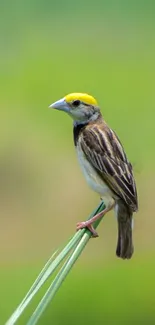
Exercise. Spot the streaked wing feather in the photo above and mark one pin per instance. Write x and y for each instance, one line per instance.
(105, 152)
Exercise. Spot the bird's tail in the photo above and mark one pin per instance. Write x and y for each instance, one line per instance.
(124, 217)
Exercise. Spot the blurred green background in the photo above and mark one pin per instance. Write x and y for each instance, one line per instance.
(49, 49)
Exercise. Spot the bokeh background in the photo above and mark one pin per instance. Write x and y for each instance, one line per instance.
(49, 49)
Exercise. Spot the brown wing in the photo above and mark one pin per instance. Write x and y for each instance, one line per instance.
(105, 152)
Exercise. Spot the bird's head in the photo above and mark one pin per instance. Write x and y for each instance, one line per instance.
(81, 107)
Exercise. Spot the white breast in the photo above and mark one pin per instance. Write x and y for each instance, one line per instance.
(92, 177)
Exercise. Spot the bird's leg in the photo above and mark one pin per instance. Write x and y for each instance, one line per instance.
(88, 223)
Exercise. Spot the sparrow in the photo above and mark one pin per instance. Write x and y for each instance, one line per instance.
(104, 164)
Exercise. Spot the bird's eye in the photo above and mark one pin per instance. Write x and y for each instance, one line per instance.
(76, 103)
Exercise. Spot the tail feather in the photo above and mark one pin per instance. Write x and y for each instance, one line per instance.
(124, 217)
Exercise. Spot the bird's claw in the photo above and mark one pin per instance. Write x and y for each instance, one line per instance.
(81, 225)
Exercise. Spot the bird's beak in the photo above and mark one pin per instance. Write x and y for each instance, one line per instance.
(61, 105)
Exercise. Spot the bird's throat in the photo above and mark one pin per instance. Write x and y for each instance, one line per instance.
(77, 128)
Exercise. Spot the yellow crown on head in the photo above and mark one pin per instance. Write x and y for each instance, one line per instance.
(82, 97)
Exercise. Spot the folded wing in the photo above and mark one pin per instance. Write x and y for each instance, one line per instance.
(104, 151)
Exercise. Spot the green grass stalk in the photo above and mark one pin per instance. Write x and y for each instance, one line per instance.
(77, 244)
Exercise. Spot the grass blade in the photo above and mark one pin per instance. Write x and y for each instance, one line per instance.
(60, 277)
(50, 267)
(47, 271)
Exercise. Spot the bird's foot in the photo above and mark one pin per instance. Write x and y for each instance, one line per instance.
(85, 224)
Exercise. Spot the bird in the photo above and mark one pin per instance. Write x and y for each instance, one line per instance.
(104, 164)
